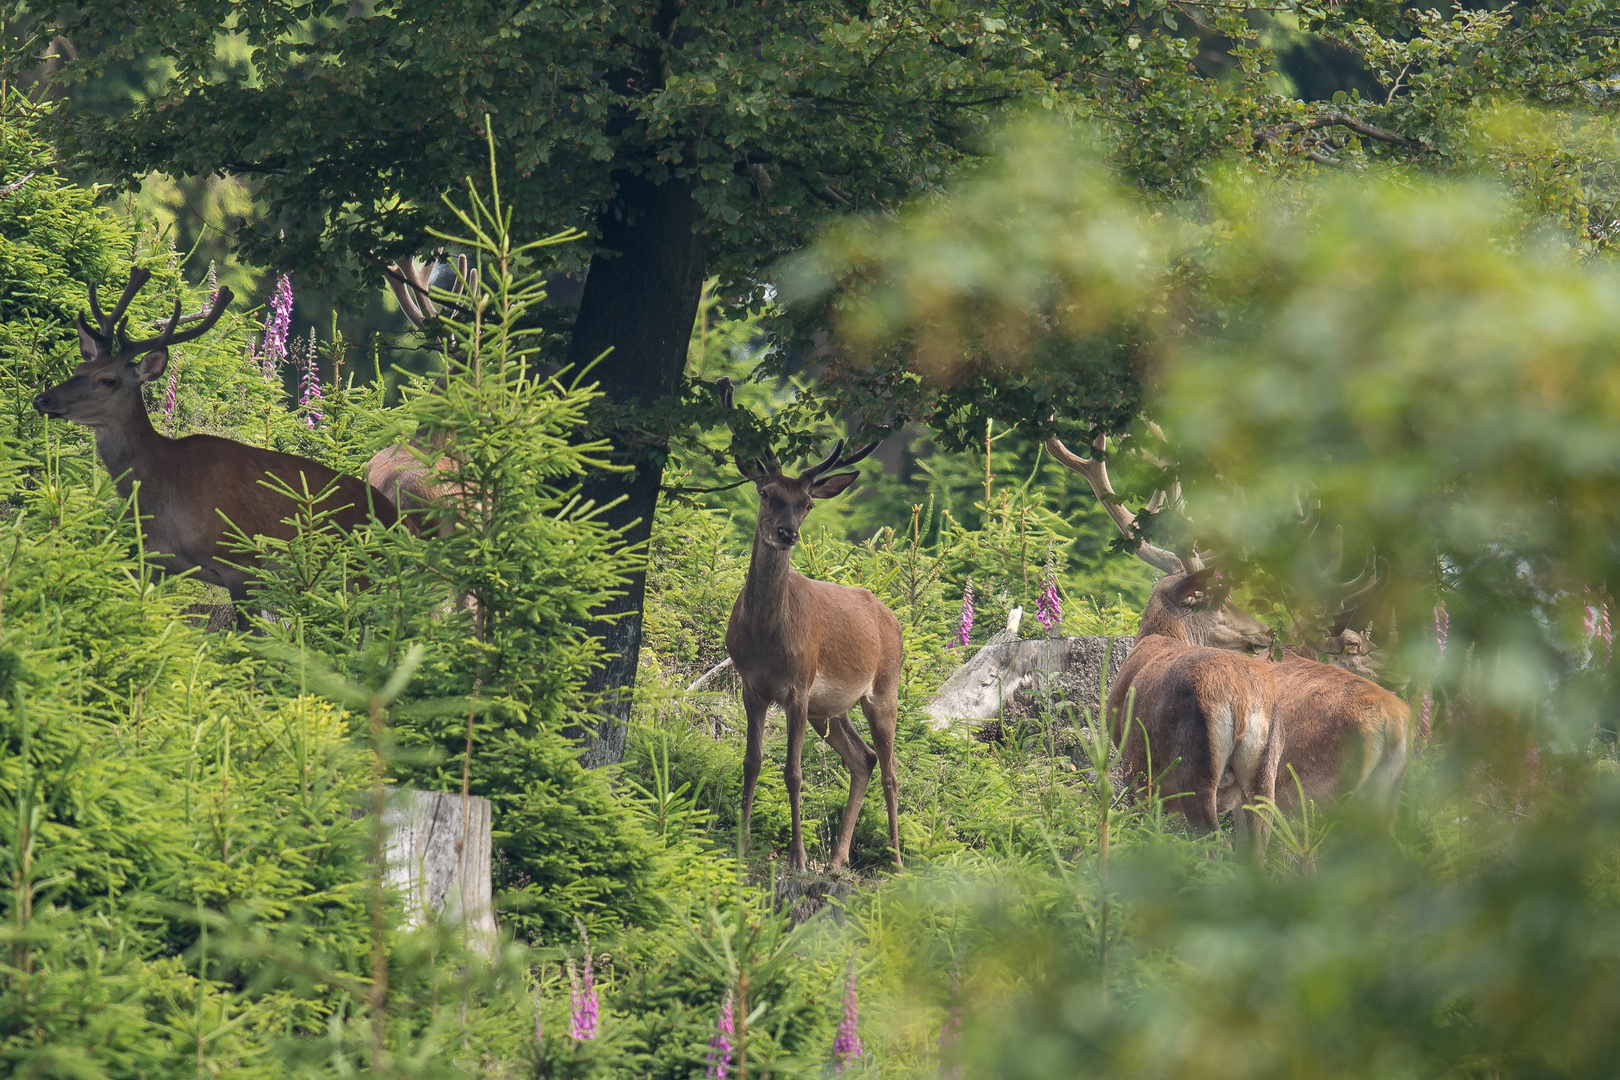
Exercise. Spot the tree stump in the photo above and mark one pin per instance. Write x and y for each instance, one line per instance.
(985, 686)
(427, 863)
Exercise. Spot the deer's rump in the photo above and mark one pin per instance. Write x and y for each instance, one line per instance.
(1341, 731)
(1208, 715)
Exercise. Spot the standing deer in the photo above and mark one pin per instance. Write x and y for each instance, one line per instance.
(1193, 717)
(1341, 732)
(197, 489)
(814, 648)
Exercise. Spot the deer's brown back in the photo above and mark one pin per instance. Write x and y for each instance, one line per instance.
(204, 476)
(1333, 718)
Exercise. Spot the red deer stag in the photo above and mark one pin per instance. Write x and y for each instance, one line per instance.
(814, 648)
(189, 486)
(1341, 732)
(1201, 718)
(399, 471)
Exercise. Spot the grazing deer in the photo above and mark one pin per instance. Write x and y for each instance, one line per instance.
(814, 648)
(399, 471)
(197, 489)
(1341, 732)
(1200, 717)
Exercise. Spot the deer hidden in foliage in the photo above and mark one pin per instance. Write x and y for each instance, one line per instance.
(198, 490)
(1341, 732)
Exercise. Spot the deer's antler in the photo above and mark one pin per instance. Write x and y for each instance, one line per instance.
(837, 460)
(1095, 470)
(108, 324)
(170, 335)
(1362, 587)
(411, 281)
(752, 467)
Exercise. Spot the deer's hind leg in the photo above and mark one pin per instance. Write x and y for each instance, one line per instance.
(860, 760)
(882, 717)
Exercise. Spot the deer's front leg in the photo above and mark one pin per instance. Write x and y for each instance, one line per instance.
(755, 707)
(797, 720)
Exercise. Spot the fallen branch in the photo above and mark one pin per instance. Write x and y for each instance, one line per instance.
(15, 186)
(703, 680)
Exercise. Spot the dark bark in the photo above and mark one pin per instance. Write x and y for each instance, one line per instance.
(640, 301)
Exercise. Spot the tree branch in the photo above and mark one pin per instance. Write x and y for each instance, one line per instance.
(1334, 120)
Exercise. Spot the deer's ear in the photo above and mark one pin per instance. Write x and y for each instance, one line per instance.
(152, 365)
(1192, 589)
(828, 486)
(88, 341)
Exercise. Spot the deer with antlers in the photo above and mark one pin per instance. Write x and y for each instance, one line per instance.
(1341, 731)
(402, 471)
(816, 649)
(1195, 718)
(199, 489)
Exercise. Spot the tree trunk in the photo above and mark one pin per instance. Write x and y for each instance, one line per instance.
(640, 301)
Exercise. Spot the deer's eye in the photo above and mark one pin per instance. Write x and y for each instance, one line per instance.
(109, 382)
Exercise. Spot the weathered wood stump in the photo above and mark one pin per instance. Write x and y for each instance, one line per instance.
(803, 895)
(212, 618)
(1007, 667)
(439, 876)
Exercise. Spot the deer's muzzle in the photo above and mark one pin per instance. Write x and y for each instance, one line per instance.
(46, 405)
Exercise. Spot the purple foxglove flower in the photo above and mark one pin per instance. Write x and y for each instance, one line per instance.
(171, 396)
(965, 625)
(847, 1046)
(720, 1045)
(582, 1000)
(1424, 715)
(1442, 627)
(1049, 609)
(1595, 626)
(310, 383)
(273, 346)
(582, 994)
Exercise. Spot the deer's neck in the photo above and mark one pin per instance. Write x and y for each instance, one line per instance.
(129, 446)
(765, 593)
(1163, 624)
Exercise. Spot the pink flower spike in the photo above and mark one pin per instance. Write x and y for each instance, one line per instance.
(273, 347)
(310, 382)
(964, 626)
(171, 397)
(847, 1046)
(1049, 609)
(720, 1045)
(1424, 715)
(582, 996)
(1442, 627)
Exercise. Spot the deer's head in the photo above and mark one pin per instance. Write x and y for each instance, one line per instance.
(1196, 609)
(106, 385)
(785, 500)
